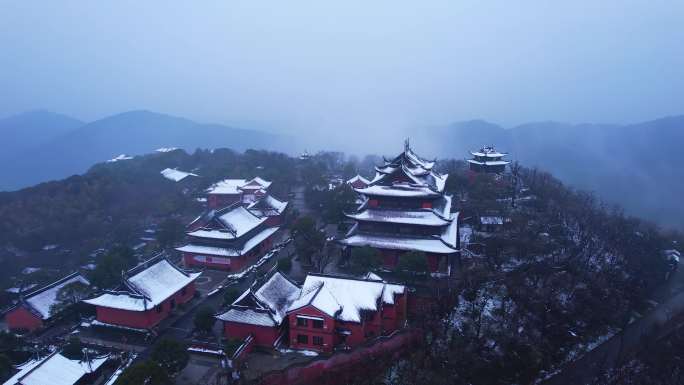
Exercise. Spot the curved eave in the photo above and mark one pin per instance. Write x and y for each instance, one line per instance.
(400, 193)
(428, 245)
(489, 163)
(436, 222)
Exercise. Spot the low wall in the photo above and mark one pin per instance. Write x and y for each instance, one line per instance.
(344, 366)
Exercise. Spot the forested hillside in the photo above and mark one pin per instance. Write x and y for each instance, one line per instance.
(73, 149)
(113, 202)
(563, 275)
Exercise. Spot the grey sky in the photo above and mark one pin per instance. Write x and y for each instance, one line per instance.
(335, 66)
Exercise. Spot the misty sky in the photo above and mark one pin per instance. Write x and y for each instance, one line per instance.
(346, 66)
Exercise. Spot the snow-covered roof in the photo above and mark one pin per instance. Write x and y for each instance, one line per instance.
(41, 300)
(245, 315)
(175, 175)
(267, 206)
(404, 190)
(266, 306)
(672, 254)
(17, 290)
(344, 298)
(340, 297)
(235, 186)
(227, 251)
(370, 276)
(240, 220)
(149, 286)
(424, 217)
(489, 162)
(256, 183)
(488, 152)
(417, 169)
(166, 149)
(236, 222)
(277, 294)
(450, 233)
(120, 158)
(405, 242)
(358, 178)
(318, 296)
(55, 369)
(226, 186)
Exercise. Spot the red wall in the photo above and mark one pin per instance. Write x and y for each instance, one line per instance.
(217, 201)
(357, 335)
(236, 263)
(394, 316)
(327, 332)
(21, 318)
(390, 258)
(345, 368)
(263, 335)
(359, 184)
(143, 319)
(275, 220)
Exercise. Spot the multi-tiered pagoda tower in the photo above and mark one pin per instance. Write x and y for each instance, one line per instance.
(488, 160)
(405, 209)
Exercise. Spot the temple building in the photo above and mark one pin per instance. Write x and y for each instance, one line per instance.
(229, 191)
(261, 312)
(233, 237)
(38, 307)
(358, 182)
(325, 313)
(57, 369)
(488, 160)
(405, 210)
(147, 295)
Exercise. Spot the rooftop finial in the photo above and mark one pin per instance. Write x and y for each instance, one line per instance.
(407, 147)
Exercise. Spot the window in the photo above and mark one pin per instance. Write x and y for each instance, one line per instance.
(318, 324)
(159, 307)
(318, 340)
(302, 322)
(302, 339)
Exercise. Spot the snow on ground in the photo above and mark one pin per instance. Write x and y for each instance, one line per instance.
(175, 175)
(308, 353)
(166, 149)
(195, 349)
(119, 158)
(120, 370)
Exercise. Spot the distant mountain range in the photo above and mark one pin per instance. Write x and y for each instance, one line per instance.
(637, 166)
(44, 146)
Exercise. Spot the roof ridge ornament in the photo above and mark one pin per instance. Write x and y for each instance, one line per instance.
(407, 145)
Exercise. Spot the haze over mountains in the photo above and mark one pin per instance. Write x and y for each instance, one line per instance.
(52, 146)
(637, 166)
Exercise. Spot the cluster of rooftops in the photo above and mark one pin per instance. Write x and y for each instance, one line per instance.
(342, 298)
